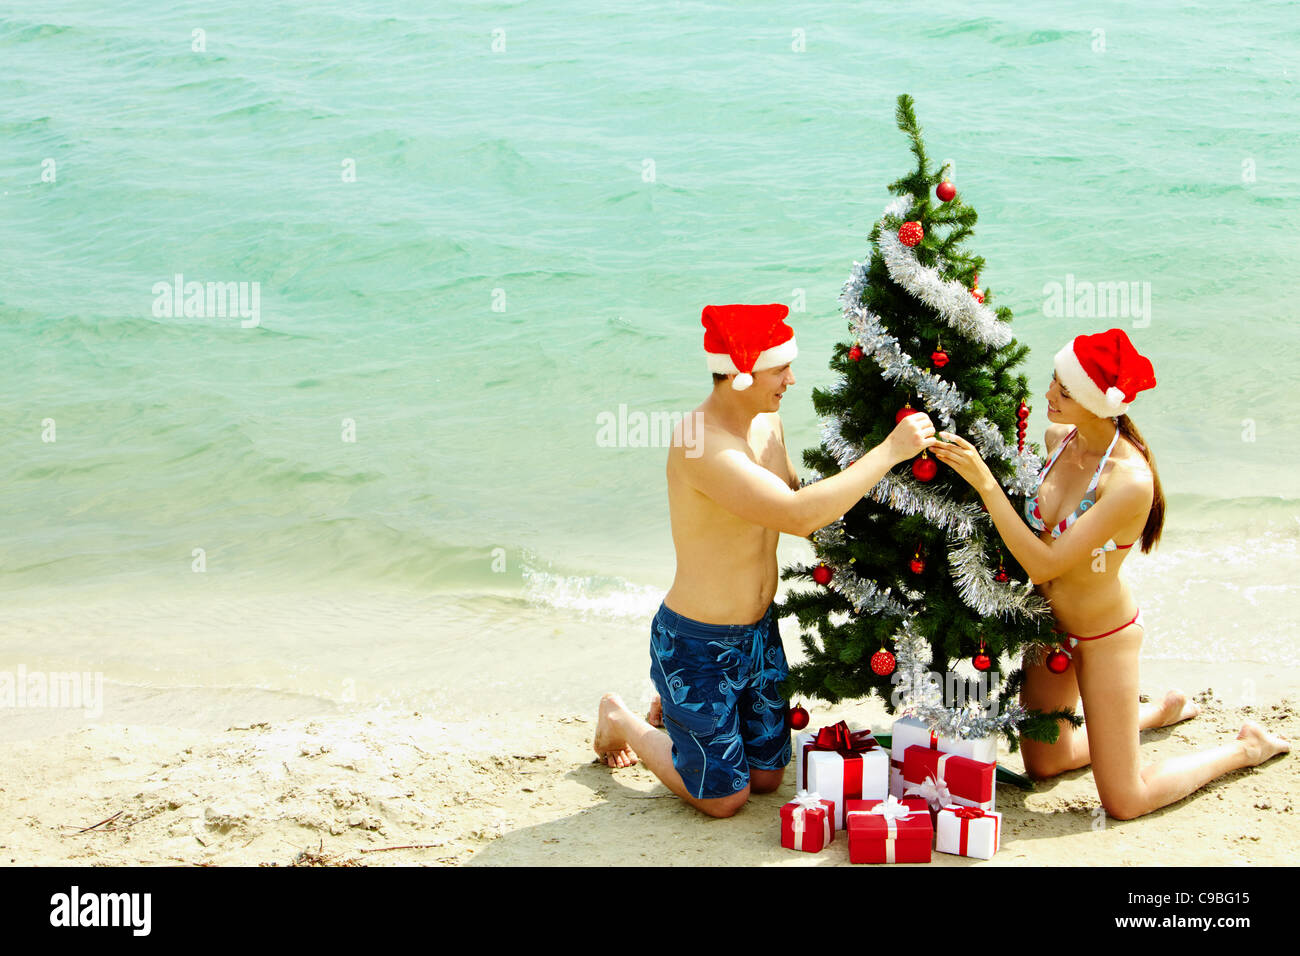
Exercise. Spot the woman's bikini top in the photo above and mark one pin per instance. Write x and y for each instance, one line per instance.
(1035, 517)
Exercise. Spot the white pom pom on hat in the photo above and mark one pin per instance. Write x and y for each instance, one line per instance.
(1104, 372)
(742, 339)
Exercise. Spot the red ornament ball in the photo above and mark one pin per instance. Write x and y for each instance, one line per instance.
(903, 413)
(855, 354)
(982, 661)
(918, 565)
(1001, 577)
(822, 574)
(939, 358)
(798, 717)
(925, 468)
(883, 663)
(910, 233)
(1022, 412)
(1058, 661)
(945, 191)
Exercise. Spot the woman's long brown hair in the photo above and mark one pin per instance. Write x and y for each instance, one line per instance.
(1156, 517)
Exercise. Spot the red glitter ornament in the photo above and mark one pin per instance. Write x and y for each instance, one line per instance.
(918, 564)
(883, 663)
(910, 233)
(855, 354)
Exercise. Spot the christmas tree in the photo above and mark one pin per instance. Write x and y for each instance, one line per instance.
(915, 578)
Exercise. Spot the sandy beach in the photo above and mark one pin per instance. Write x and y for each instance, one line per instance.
(509, 782)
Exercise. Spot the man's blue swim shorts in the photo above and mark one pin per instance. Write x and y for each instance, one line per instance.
(718, 686)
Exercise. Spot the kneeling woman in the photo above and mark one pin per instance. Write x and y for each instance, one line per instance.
(1099, 460)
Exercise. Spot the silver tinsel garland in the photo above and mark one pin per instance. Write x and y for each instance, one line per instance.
(865, 596)
(921, 696)
(986, 596)
(940, 397)
(952, 300)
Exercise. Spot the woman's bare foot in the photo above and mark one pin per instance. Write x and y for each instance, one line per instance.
(1177, 706)
(655, 715)
(1261, 745)
(610, 745)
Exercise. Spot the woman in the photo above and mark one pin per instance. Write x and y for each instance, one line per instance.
(1099, 460)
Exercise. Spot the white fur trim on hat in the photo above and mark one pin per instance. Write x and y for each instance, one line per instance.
(1083, 389)
(787, 351)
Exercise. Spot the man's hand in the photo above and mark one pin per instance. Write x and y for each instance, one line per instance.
(909, 437)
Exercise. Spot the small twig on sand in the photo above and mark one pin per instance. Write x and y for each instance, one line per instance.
(71, 826)
(412, 846)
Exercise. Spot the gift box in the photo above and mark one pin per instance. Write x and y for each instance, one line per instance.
(807, 823)
(969, 782)
(889, 831)
(806, 742)
(968, 831)
(843, 765)
(912, 731)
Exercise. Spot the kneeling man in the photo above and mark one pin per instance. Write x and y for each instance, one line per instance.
(716, 657)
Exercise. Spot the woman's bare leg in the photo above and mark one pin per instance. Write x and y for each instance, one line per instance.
(1044, 690)
(1107, 675)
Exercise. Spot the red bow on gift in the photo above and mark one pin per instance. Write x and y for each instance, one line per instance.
(969, 813)
(839, 738)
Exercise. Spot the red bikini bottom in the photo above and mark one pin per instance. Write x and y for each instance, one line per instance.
(1074, 639)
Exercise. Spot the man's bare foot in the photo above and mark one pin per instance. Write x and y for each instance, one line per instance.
(655, 715)
(1177, 706)
(1260, 745)
(610, 746)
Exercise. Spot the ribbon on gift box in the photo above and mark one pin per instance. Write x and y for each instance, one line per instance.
(805, 801)
(892, 810)
(848, 744)
(966, 815)
(932, 791)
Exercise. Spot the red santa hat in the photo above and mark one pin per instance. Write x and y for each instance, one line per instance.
(742, 339)
(1104, 372)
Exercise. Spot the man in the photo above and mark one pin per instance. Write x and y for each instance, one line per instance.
(716, 653)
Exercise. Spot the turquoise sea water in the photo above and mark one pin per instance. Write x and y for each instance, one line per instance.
(474, 229)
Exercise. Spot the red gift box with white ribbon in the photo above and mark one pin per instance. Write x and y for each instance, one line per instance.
(889, 831)
(807, 823)
(970, 783)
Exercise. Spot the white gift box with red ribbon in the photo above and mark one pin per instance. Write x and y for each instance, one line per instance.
(968, 831)
(912, 731)
(842, 764)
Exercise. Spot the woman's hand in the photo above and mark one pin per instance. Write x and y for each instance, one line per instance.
(961, 456)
